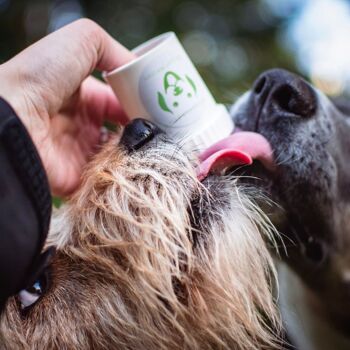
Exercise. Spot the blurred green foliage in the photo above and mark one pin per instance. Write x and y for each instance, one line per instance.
(56, 202)
(230, 41)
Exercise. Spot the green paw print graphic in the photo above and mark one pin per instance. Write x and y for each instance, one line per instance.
(176, 89)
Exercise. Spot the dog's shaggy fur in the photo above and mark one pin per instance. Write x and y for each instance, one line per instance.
(150, 258)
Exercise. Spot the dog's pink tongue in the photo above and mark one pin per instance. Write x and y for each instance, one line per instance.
(238, 149)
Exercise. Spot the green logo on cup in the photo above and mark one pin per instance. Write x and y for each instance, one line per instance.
(176, 89)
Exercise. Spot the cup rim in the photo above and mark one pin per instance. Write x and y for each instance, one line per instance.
(153, 44)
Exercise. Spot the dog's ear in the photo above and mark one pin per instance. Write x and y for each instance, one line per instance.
(342, 103)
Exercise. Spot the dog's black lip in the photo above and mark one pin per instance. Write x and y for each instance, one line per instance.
(254, 171)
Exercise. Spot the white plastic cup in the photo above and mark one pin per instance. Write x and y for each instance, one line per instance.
(163, 86)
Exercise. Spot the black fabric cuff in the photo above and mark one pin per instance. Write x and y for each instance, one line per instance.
(25, 204)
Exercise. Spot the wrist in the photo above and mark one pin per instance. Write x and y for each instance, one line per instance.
(12, 92)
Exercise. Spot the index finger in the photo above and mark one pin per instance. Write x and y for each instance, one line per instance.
(60, 62)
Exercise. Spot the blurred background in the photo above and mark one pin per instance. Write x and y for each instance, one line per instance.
(230, 41)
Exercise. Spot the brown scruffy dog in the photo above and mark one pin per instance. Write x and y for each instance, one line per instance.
(148, 257)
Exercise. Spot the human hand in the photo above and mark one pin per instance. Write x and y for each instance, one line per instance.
(62, 107)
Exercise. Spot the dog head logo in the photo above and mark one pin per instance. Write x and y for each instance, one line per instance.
(177, 91)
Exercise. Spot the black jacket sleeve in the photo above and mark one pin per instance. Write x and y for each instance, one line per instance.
(25, 204)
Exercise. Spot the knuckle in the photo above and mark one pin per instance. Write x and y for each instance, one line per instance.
(91, 37)
(89, 28)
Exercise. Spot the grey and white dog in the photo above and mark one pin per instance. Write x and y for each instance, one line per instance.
(310, 139)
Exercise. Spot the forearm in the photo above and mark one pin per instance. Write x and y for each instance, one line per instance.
(25, 204)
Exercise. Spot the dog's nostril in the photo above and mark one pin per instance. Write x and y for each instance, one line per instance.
(284, 96)
(137, 133)
(259, 85)
(297, 99)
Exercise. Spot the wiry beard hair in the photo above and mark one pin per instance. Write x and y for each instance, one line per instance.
(150, 258)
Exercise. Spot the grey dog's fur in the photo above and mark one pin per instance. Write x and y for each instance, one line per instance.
(311, 186)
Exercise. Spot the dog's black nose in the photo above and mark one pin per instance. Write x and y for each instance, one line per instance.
(278, 93)
(137, 133)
